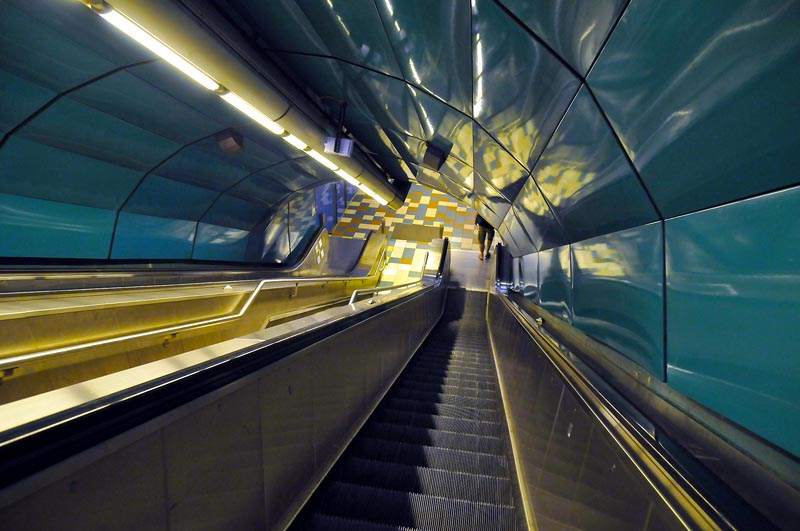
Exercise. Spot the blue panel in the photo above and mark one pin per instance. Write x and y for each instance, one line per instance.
(166, 198)
(263, 188)
(205, 165)
(325, 204)
(733, 279)
(18, 99)
(276, 238)
(522, 241)
(529, 277)
(555, 282)
(497, 167)
(520, 89)
(48, 229)
(708, 115)
(220, 243)
(149, 237)
(36, 170)
(618, 293)
(235, 212)
(575, 30)
(303, 220)
(81, 129)
(432, 42)
(537, 219)
(586, 178)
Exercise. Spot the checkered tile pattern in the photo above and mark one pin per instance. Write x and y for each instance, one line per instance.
(423, 206)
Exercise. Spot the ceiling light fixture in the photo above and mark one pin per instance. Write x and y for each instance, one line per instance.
(152, 43)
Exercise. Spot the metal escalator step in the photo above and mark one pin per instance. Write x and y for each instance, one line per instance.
(456, 382)
(421, 480)
(436, 422)
(437, 438)
(451, 363)
(431, 457)
(444, 398)
(324, 522)
(444, 410)
(452, 369)
(432, 387)
(453, 374)
(413, 510)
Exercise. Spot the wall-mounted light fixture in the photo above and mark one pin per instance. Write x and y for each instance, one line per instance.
(162, 50)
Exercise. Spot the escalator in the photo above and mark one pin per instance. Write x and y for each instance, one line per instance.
(432, 456)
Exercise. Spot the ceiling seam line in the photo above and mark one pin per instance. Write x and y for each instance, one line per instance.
(538, 39)
(389, 39)
(625, 153)
(219, 196)
(608, 37)
(55, 99)
(139, 184)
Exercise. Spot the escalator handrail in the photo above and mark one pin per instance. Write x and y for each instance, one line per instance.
(357, 292)
(16, 361)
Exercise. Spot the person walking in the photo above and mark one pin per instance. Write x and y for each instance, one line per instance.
(485, 231)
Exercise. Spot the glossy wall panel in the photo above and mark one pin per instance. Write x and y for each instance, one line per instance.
(220, 243)
(733, 286)
(708, 115)
(537, 219)
(168, 198)
(618, 293)
(555, 282)
(585, 175)
(34, 228)
(145, 237)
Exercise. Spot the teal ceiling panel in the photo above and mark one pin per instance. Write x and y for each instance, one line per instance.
(443, 126)
(129, 98)
(618, 293)
(235, 212)
(574, 30)
(74, 127)
(493, 206)
(302, 173)
(537, 219)
(220, 243)
(19, 98)
(431, 41)
(36, 170)
(36, 50)
(353, 31)
(555, 282)
(148, 237)
(585, 176)
(520, 89)
(167, 198)
(496, 166)
(522, 240)
(279, 25)
(265, 188)
(205, 164)
(390, 101)
(733, 286)
(448, 181)
(707, 116)
(35, 228)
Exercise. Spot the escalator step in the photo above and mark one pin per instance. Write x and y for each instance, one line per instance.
(418, 511)
(444, 398)
(431, 457)
(324, 522)
(437, 438)
(441, 483)
(458, 382)
(455, 390)
(444, 410)
(454, 364)
(436, 422)
(475, 374)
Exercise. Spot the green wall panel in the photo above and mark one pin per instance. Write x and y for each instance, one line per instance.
(18, 99)
(618, 293)
(733, 286)
(167, 198)
(34, 228)
(220, 243)
(36, 170)
(149, 237)
(708, 115)
(555, 282)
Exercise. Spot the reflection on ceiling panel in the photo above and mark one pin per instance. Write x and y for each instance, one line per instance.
(536, 218)
(585, 176)
(496, 166)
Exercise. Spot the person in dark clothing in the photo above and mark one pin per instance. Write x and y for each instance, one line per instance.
(485, 232)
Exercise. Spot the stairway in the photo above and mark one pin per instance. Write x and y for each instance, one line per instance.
(431, 456)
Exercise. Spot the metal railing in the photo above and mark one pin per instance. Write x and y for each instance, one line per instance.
(358, 292)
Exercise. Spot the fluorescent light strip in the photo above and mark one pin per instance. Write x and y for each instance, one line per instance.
(159, 48)
(294, 142)
(321, 159)
(253, 113)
